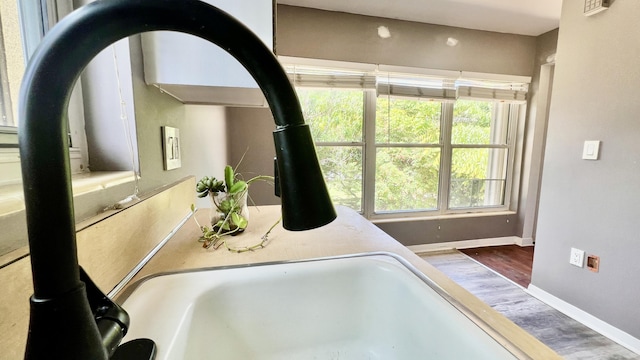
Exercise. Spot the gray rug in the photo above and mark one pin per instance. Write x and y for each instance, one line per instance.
(567, 337)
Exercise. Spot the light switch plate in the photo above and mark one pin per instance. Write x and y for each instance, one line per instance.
(171, 148)
(591, 150)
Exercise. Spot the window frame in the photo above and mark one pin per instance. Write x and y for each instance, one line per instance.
(6, 109)
(372, 213)
(347, 143)
(510, 146)
(444, 184)
(106, 184)
(514, 117)
(35, 18)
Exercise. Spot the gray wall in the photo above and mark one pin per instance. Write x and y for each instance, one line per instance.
(202, 132)
(251, 149)
(339, 36)
(593, 205)
(321, 34)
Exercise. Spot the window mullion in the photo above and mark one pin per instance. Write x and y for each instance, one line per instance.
(368, 197)
(445, 156)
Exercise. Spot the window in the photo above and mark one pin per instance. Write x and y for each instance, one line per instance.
(22, 27)
(9, 33)
(337, 123)
(100, 110)
(408, 154)
(6, 115)
(480, 149)
(414, 145)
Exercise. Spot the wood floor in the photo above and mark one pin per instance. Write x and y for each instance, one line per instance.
(511, 261)
(569, 338)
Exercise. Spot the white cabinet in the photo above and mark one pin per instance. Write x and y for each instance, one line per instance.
(194, 70)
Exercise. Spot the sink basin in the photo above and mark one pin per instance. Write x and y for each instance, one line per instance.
(369, 306)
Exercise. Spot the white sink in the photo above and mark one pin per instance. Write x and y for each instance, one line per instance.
(360, 307)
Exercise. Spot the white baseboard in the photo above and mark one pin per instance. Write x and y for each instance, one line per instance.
(586, 319)
(526, 242)
(466, 244)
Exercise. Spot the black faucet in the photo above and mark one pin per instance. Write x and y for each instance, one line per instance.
(68, 321)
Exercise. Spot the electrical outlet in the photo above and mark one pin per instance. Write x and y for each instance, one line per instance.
(577, 257)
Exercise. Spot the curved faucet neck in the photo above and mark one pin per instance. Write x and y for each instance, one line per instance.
(54, 69)
(44, 97)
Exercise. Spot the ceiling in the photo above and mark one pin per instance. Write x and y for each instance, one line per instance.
(524, 17)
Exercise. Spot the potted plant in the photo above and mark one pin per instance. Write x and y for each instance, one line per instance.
(229, 212)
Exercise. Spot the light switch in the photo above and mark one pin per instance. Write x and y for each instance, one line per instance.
(591, 150)
(171, 148)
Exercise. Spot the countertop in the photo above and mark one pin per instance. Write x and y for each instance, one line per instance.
(350, 233)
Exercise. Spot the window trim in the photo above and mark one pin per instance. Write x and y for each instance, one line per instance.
(6, 107)
(8, 137)
(510, 86)
(35, 18)
(513, 124)
(446, 146)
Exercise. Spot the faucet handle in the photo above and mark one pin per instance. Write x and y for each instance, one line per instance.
(138, 349)
(112, 320)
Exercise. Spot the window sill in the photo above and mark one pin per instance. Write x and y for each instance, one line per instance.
(12, 198)
(383, 219)
(88, 189)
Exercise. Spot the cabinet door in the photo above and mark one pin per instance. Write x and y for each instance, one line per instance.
(182, 59)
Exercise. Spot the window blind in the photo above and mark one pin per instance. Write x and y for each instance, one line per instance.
(499, 90)
(415, 92)
(441, 85)
(343, 81)
(305, 76)
(481, 93)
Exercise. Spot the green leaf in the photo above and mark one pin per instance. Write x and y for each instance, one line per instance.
(223, 224)
(200, 187)
(218, 186)
(238, 187)
(229, 176)
(239, 220)
(226, 205)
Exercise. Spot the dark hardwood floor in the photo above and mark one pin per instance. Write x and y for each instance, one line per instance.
(511, 261)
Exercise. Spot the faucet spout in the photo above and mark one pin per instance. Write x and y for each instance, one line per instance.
(61, 321)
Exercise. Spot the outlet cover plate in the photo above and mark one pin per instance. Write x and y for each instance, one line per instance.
(577, 257)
